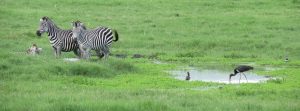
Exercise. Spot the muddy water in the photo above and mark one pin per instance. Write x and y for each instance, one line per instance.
(210, 75)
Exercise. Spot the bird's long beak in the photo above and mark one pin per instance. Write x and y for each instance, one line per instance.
(230, 78)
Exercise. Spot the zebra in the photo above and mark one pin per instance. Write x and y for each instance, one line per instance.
(60, 40)
(98, 39)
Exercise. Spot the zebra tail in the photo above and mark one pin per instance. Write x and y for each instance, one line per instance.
(116, 35)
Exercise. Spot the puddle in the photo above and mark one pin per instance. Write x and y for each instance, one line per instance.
(208, 75)
(71, 59)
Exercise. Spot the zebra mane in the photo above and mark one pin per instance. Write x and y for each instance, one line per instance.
(78, 23)
(49, 21)
(45, 18)
(83, 26)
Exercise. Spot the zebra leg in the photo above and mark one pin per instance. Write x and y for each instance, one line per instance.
(77, 52)
(99, 54)
(106, 52)
(82, 51)
(87, 53)
(54, 50)
(58, 51)
(84, 54)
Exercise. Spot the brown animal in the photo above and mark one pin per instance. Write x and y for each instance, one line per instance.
(33, 50)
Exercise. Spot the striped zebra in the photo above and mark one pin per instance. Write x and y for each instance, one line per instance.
(98, 39)
(60, 40)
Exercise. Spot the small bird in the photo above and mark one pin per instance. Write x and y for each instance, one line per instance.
(286, 59)
(240, 69)
(188, 77)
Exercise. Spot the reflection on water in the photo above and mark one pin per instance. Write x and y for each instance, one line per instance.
(217, 76)
(71, 59)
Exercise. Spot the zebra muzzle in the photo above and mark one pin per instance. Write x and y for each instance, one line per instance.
(38, 33)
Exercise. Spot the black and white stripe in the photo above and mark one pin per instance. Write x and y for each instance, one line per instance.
(60, 40)
(98, 39)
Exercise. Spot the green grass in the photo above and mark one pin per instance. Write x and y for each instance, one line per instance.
(202, 33)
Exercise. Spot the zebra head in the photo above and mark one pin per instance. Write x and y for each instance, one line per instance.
(78, 27)
(43, 26)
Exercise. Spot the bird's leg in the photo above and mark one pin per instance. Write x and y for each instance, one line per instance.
(231, 76)
(240, 78)
(245, 77)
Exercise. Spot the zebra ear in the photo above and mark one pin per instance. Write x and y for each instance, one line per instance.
(73, 24)
(45, 18)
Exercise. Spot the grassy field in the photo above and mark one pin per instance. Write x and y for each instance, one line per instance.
(199, 33)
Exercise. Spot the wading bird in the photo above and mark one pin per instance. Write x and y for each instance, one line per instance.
(240, 69)
(188, 77)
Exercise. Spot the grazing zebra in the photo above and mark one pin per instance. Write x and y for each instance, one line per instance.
(60, 40)
(98, 39)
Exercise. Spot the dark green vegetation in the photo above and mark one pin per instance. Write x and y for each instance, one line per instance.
(210, 33)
